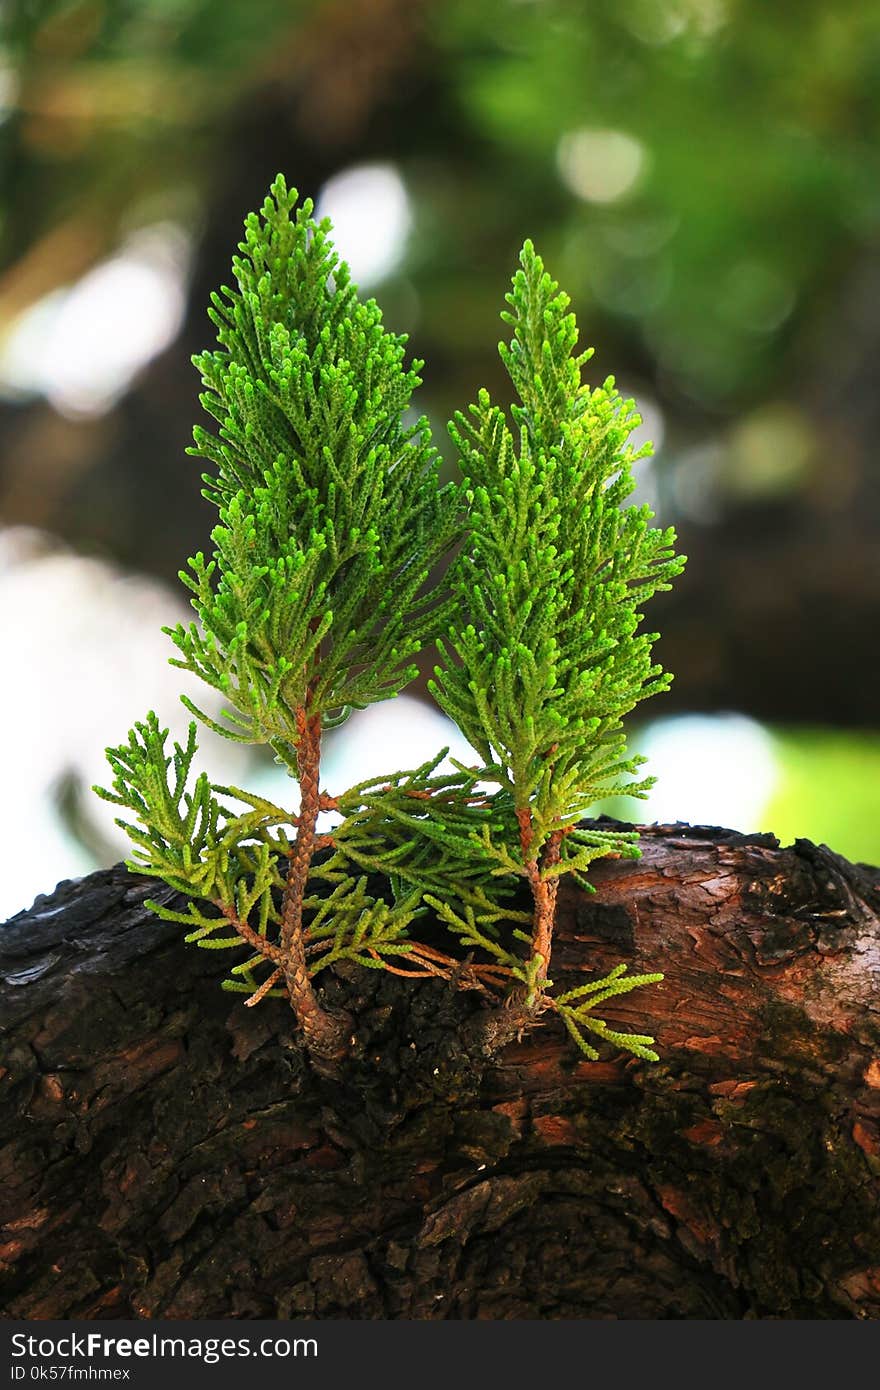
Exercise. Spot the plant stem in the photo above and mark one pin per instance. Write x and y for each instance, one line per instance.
(324, 1033)
(499, 1026)
(544, 894)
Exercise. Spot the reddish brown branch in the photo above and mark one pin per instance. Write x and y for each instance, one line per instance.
(437, 965)
(247, 933)
(324, 1035)
(545, 890)
(267, 984)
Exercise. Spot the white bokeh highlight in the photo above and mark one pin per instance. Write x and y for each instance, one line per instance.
(370, 210)
(81, 347)
(393, 736)
(718, 769)
(86, 657)
(600, 166)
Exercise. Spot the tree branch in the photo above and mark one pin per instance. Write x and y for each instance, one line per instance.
(164, 1152)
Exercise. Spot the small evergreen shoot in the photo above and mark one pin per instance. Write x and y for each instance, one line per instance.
(316, 599)
(545, 658)
(321, 590)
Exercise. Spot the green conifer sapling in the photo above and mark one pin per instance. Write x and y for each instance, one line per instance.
(321, 590)
(316, 599)
(545, 657)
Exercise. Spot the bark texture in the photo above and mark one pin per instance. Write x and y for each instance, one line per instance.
(166, 1152)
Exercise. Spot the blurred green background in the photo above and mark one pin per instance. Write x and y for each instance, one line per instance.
(703, 176)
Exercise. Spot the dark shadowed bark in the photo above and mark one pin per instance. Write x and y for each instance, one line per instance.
(166, 1152)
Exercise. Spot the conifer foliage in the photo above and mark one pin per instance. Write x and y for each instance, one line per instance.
(545, 657)
(315, 601)
(322, 588)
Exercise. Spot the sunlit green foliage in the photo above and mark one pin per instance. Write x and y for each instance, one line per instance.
(321, 589)
(546, 656)
(314, 602)
(331, 516)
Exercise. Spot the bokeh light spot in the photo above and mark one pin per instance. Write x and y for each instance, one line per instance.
(600, 166)
(370, 211)
(81, 347)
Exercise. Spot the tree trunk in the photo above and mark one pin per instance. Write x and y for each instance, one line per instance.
(166, 1152)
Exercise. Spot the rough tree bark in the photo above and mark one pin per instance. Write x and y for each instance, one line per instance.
(165, 1152)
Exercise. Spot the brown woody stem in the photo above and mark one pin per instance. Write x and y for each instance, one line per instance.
(247, 933)
(268, 983)
(544, 893)
(325, 1035)
(517, 1014)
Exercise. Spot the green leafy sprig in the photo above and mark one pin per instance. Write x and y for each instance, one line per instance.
(320, 591)
(315, 601)
(545, 656)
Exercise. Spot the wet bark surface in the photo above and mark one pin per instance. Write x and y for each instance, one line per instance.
(166, 1152)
